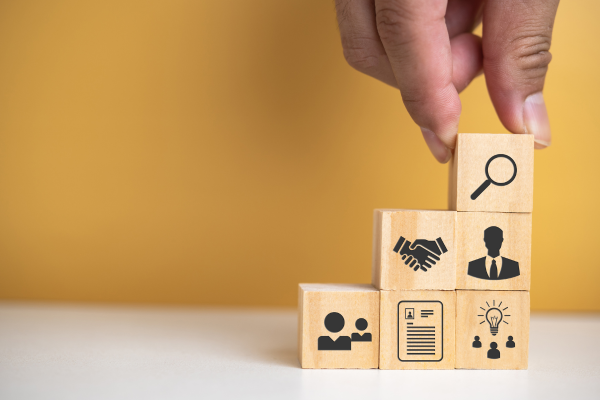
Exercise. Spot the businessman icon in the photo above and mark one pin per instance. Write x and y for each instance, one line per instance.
(492, 266)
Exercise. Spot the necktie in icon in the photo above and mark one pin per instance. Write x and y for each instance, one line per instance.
(493, 270)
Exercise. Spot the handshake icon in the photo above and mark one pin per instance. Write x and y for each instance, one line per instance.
(420, 254)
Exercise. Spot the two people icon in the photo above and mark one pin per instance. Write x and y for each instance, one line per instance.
(334, 322)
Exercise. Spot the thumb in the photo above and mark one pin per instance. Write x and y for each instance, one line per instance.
(516, 49)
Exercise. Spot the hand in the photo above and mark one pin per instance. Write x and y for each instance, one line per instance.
(419, 257)
(420, 254)
(426, 49)
(436, 246)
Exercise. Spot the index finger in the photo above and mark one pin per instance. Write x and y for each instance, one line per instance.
(415, 38)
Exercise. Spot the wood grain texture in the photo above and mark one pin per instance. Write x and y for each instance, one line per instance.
(471, 308)
(516, 246)
(389, 270)
(468, 172)
(393, 328)
(352, 301)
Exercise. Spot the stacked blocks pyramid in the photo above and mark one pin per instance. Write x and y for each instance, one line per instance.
(450, 289)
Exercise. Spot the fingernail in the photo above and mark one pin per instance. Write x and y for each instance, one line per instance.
(535, 117)
(436, 146)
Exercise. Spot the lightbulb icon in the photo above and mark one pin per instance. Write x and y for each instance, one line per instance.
(493, 317)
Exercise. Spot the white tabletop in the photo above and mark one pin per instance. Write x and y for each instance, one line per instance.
(101, 352)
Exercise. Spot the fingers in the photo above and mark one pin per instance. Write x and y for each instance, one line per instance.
(415, 37)
(467, 59)
(362, 47)
(516, 44)
(432, 258)
(463, 16)
(429, 262)
(406, 44)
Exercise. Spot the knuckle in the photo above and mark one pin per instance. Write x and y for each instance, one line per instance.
(361, 54)
(343, 9)
(530, 51)
(390, 19)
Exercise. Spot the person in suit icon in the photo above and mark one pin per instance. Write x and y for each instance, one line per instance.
(492, 266)
(493, 352)
(361, 324)
(334, 322)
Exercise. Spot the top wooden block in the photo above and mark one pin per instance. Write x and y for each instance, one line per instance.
(492, 172)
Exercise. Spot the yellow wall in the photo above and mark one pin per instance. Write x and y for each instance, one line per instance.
(220, 152)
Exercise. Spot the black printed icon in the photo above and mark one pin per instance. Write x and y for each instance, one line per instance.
(493, 352)
(492, 266)
(334, 322)
(489, 180)
(421, 331)
(476, 342)
(361, 324)
(510, 343)
(422, 253)
(494, 316)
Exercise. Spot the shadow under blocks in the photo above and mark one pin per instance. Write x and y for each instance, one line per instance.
(449, 288)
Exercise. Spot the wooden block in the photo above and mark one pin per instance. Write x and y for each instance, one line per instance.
(477, 153)
(338, 326)
(417, 329)
(414, 250)
(505, 236)
(492, 329)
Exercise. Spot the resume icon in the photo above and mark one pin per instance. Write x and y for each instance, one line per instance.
(420, 331)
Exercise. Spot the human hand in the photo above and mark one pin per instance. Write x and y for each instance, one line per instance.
(426, 49)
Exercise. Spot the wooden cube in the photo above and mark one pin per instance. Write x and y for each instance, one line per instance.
(492, 329)
(414, 250)
(488, 239)
(492, 172)
(338, 326)
(417, 329)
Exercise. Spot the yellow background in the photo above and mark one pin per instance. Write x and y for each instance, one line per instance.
(221, 152)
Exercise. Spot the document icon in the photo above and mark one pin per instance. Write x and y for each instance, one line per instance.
(420, 331)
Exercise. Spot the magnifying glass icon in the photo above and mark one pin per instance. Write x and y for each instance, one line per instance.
(489, 180)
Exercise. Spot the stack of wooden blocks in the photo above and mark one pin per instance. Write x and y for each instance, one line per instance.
(450, 289)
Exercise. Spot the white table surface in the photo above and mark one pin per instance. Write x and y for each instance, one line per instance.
(50, 351)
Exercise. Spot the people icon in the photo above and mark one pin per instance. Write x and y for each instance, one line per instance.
(334, 322)
(409, 313)
(492, 266)
(476, 342)
(510, 344)
(361, 324)
(493, 352)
